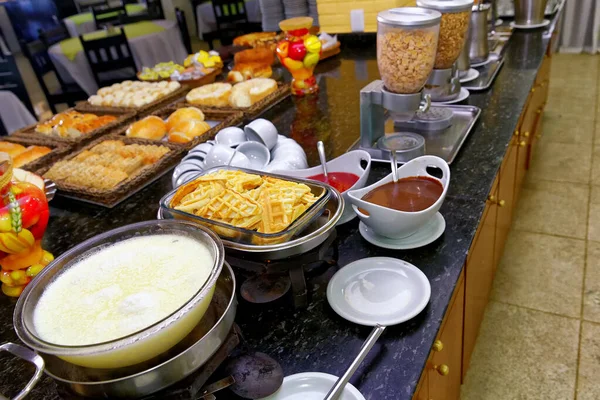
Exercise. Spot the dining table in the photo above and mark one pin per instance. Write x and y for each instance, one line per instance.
(206, 21)
(13, 113)
(151, 42)
(82, 23)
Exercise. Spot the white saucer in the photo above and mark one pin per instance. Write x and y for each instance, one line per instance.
(429, 233)
(491, 58)
(464, 93)
(378, 290)
(533, 26)
(472, 74)
(312, 386)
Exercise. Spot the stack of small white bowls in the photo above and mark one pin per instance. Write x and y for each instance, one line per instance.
(258, 146)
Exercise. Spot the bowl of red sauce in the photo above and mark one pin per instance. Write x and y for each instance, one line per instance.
(347, 172)
(398, 209)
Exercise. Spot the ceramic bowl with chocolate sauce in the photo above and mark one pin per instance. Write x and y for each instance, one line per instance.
(397, 210)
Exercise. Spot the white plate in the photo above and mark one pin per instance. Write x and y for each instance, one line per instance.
(464, 93)
(378, 290)
(312, 386)
(429, 233)
(546, 22)
(472, 74)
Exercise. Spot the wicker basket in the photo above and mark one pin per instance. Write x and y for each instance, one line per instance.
(225, 118)
(113, 196)
(58, 151)
(330, 52)
(192, 83)
(124, 117)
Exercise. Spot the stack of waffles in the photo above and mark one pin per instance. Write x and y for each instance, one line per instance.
(106, 164)
(253, 202)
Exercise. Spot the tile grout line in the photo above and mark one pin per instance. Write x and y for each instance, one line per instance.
(535, 309)
(549, 234)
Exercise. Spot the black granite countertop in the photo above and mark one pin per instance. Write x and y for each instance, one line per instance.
(315, 338)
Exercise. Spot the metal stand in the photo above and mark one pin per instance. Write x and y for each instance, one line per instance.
(443, 84)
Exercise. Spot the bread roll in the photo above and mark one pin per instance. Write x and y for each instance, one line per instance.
(12, 149)
(151, 127)
(183, 114)
(254, 70)
(212, 95)
(184, 131)
(30, 154)
(258, 55)
(247, 93)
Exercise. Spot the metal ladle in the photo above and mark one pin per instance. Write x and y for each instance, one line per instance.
(321, 151)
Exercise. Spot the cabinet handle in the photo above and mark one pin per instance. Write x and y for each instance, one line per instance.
(525, 134)
(532, 90)
(523, 143)
(442, 369)
(538, 111)
(438, 345)
(538, 136)
(516, 133)
(502, 203)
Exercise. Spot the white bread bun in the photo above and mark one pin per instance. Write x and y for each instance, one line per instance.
(151, 127)
(247, 93)
(214, 94)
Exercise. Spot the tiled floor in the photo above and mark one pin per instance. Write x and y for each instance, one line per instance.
(540, 337)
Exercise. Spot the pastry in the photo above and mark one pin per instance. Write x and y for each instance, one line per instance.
(185, 131)
(214, 94)
(256, 39)
(72, 124)
(29, 154)
(253, 70)
(133, 94)
(262, 56)
(12, 149)
(247, 93)
(151, 127)
(235, 77)
(183, 114)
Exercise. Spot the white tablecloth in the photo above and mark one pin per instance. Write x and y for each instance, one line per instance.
(87, 26)
(148, 50)
(206, 16)
(13, 113)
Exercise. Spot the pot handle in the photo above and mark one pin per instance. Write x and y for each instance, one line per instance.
(30, 356)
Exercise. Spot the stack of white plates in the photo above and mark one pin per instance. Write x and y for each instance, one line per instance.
(295, 8)
(313, 12)
(272, 14)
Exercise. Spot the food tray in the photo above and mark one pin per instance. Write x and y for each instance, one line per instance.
(111, 197)
(245, 236)
(487, 74)
(223, 119)
(260, 106)
(124, 116)
(330, 52)
(144, 110)
(58, 151)
(192, 83)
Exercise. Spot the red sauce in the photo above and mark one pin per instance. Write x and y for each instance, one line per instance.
(342, 181)
(415, 193)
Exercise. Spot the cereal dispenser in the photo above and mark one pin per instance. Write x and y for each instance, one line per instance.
(444, 82)
(407, 41)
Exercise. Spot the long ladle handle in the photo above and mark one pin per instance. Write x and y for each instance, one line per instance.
(321, 151)
(394, 164)
(338, 388)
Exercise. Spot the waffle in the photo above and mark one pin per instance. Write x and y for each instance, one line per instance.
(243, 200)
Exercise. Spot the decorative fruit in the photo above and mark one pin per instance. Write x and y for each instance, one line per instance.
(34, 208)
(25, 176)
(34, 269)
(12, 291)
(312, 44)
(297, 51)
(47, 258)
(15, 243)
(292, 65)
(311, 60)
(282, 49)
(22, 260)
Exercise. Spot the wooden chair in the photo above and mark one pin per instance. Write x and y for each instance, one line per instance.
(125, 19)
(232, 21)
(10, 78)
(87, 5)
(155, 9)
(108, 15)
(54, 35)
(110, 54)
(37, 54)
(183, 29)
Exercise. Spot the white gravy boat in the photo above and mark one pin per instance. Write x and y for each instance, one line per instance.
(400, 224)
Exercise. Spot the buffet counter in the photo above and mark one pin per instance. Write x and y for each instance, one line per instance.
(423, 358)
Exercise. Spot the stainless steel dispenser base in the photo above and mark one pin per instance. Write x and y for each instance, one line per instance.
(487, 74)
(443, 84)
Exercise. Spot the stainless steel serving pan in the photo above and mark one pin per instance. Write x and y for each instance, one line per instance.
(153, 375)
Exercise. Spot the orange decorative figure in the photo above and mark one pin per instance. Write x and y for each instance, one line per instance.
(23, 219)
(299, 53)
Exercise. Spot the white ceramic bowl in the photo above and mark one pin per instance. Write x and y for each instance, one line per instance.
(181, 170)
(218, 156)
(231, 136)
(312, 386)
(240, 160)
(349, 162)
(258, 154)
(202, 148)
(399, 224)
(194, 156)
(262, 131)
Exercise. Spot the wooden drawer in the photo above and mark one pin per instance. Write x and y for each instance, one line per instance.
(506, 198)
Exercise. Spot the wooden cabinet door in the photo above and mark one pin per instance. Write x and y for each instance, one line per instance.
(479, 273)
(506, 189)
(445, 369)
(523, 139)
(422, 392)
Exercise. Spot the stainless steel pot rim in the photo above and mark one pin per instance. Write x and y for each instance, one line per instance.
(38, 344)
(231, 302)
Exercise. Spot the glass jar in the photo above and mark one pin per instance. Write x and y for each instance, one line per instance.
(407, 40)
(454, 27)
(299, 52)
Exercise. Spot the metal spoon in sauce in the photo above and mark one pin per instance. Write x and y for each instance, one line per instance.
(321, 150)
(394, 165)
